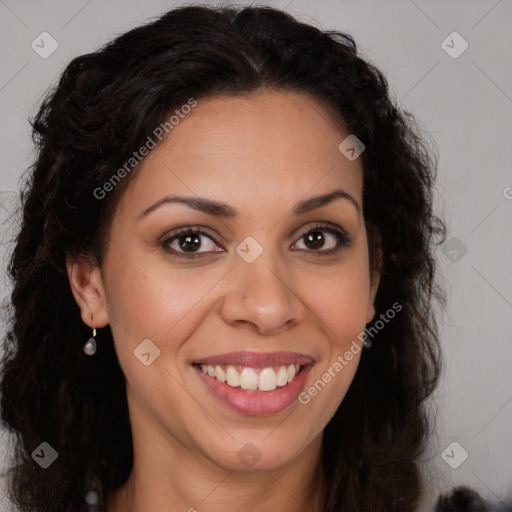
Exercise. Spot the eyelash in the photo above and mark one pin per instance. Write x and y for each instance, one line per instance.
(342, 238)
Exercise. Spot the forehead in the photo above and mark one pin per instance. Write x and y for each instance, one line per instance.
(243, 150)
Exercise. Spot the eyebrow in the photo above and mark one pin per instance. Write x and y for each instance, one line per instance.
(218, 209)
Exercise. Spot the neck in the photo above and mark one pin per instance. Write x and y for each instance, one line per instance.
(169, 476)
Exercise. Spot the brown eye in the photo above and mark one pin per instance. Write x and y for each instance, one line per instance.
(189, 242)
(314, 240)
(324, 240)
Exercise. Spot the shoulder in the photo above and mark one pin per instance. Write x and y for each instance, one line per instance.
(465, 499)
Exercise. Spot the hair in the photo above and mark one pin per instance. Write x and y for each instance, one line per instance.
(104, 107)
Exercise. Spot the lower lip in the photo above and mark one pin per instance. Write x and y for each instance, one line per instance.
(267, 402)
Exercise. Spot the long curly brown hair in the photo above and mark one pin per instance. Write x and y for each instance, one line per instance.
(104, 107)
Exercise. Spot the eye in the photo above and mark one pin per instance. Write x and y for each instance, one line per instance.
(315, 239)
(187, 241)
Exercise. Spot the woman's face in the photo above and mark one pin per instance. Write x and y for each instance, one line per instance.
(257, 290)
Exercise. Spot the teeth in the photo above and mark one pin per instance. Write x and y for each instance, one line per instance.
(253, 380)
(232, 377)
(282, 376)
(267, 380)
(249, 379)
(291, 372)
(220, 374)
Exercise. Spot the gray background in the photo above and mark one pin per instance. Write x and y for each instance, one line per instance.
(464, 103)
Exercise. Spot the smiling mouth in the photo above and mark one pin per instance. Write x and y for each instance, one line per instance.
(252, 380)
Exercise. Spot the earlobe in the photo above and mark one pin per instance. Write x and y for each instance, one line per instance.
(87, 287)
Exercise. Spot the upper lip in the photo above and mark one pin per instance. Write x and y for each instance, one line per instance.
(256, 359)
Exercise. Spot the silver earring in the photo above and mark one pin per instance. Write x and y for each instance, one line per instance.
(90, 346)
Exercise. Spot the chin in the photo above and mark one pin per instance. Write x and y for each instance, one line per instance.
(264, 451)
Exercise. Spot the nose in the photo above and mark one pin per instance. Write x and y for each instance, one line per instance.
(261, 297)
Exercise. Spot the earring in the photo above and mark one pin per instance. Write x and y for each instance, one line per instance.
(90, 346)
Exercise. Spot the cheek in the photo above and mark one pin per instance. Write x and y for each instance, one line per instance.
(341, 313)
(326, 390)
(347, 310)
(340, 301)
(154, 301)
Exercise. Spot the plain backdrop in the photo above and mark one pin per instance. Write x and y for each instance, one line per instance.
(462, 100)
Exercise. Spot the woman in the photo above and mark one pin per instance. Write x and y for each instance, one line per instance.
(224, 280)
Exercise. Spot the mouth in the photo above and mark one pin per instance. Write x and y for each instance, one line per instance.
(252, 380)
(254, 383)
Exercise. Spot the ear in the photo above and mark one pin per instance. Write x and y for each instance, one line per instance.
(87, 287)
(375, 278)
(374, 286)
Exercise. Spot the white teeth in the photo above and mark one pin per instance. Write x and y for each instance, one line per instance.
(253, 380)
(232, 377)
(291, 372)
(267, 379)
(220, 374)
(282, 376)
(249, 379)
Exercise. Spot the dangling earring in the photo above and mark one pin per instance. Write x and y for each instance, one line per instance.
(90, 346)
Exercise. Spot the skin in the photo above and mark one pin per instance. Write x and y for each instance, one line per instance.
(260, 155)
